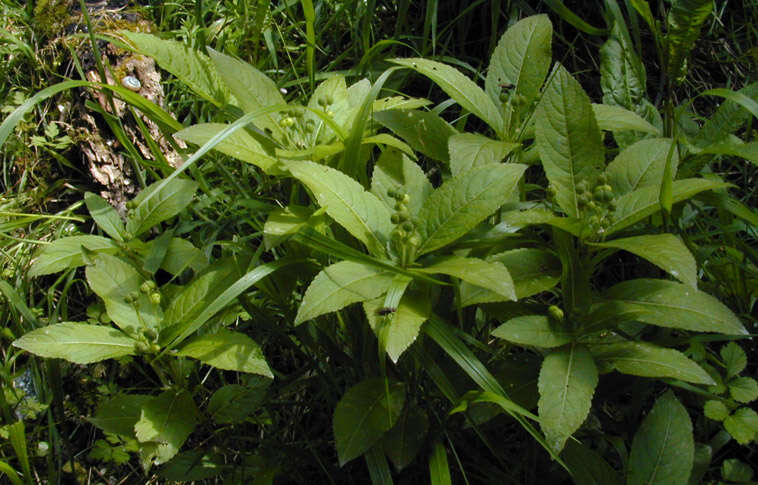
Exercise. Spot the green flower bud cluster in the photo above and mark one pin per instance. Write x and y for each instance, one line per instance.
(148, 288)
(596, 204)
(404, 236)
(147, 342)
(555, 313)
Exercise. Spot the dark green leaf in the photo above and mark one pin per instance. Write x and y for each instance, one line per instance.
(404, 441)
(424, 131)
(639, 165)
(742, 425)
(683, 28)
(120, 413)
(734, 359)
(232, 403)
(588, 467)
(743, 389)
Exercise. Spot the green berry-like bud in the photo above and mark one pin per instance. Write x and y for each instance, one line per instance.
(155, 348)
(503, 96)
(405, 199)
(582, 187)
(555, 313)
(145, 288)
(403, 215)
(8, 273)
(612, 204)
(414, 241)
(155, 298)
(407, 226)
(395, 218)
(602, 179)
(142, 347)
(391, 193)
(594, 221)
(592, 205)
(131, 205)
(329, 99)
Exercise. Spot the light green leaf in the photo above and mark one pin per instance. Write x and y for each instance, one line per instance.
(641, 203)
(748, 151)
(463, 202)
(10, 473)
(715, 410)
(424, 131)
(663, 448)
(67, 253)
(522, 58)
(640, 165)
(734, 359)
(622, 75)
(568, 138)
(533, 271)
(491, 275)
(252, 89)
(364, 414)
(329, 95)
(402, 325)
(342, 284)
(439, 469)
(182, 254)
(232, 403)
(358, 211)
(105, 216)
(742, 425)
(534, 330)
(80, 343)
(462, 89)
(469, 150)
(616, 119)
(166, 421)
(113, 280)
(743, 389)
(191, 67)
(666, 251)
(240, 145)
(648, 360)
(683, 28)
(227, 350)
(394, 171)
(161, 205)
(284, 222)
(588, 467)
(400, 103)
(514, 220)
(567, 381)
(670, 304)
(120, 413)
(404, 441)
(727, 120)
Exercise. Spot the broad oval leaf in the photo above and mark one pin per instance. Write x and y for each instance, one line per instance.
(80, 343)
(67, 253)
(588, 467)
(395, 170)
(342, 284)
(463, 202)
(232, 403)
(671, 304)
(568, 138)
(469, 150)
(165, 423)
(640, 165)
(402, 326)
(364, 414)
(164, 204)
(182, 254)
(616, 119)
(120, 413)
(648, 360)
(239, 144)
(424, 131)
(535, 330)
(462, 89)
(105, 216)
(666, 251)
(227, 350)
(491, 275)
(521, 59)
(567, 382)
(734, 358)
(404, 441)
(663, 448)
(684, 21)
(355, 209)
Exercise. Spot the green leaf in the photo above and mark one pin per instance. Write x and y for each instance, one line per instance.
(727, 120)
(733, 148)
(588, 467)
(364, 414)
(342, 284)
(521, 59)
(401, 326)
(252, 89)
(663, 448)
(404, 441)
(159, 206)
(232, 403)
(715, 410)
(674, 305)
(462, 89)
(469, 150)
(332, 95)
(114, 280)
(67, 253)
(617, 119)
(533, 271)
(742, 425)
(568, 138)
(166, 421)
(734, 359)
(463, 202)
(640, 165)
(424, 131)
(120, 413)
(735, 470)
(285, 222)
(683, 28)
(534, 330)
(182, 254)
(10, 473)
(491, 275)
(514, 220)
(666, 251)
(567, 381)
(569, 16)
(191, 466)
(641, 203)
(240, 145)
(191, 67)
(622, 75)
(358, 211)
(227, 350)
(743, 389)
(395, 171)
(439, 469)
(105, 216)
(80, 343)
(193, 298)
(648, 360)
